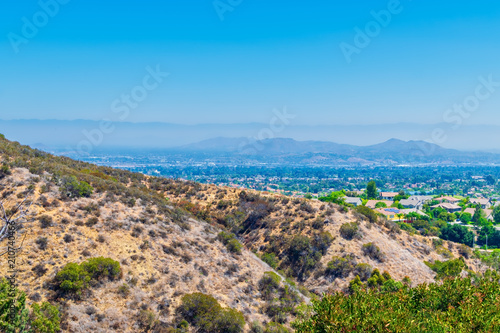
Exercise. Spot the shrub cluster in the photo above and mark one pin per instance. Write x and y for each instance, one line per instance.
(42, 318)
(373, 251)
(230, 241)
(459, 305)
(73, 278)
(206, 315)
(349, 230)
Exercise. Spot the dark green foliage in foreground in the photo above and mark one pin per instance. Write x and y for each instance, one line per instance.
(205, 313)
(73, 278)
(457, 305)
(43, 318)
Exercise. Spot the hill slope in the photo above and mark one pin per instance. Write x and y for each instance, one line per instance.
(164, 233)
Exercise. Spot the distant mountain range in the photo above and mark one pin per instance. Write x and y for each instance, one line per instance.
(68, 134)
(281, 150)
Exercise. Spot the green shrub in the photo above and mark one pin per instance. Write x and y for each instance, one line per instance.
(273, 327)
(364, 271)
(349, 230)
(460, 305)
(450, 268)
(271, 259)
(230, 241)
(269, 284)
(368, 212)
(45, 318)
(72, 188)
(13, 311)
(340, 267)
(4, 171)
(73, 278)
(373, 251)
(100, 268)
(206, 314)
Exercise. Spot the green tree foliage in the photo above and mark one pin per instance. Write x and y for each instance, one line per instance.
(455, 305)
(335, 197)
(205, 313)
(496, 214)
(73, 278)
(466, 217)
(302, 256)
(457, 233)
(371, 190)
(490, 234)
(380, 204)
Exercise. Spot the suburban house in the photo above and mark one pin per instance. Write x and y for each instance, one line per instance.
(449, 207)
(372, 203)
(423, 198)
(353, 201)
(388, 195)
(488, 213)
(390, 213)
(449, 200)
(485, 203)
(411, 203)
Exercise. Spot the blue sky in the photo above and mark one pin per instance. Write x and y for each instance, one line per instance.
(263, 55)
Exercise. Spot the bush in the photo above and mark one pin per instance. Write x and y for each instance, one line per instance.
(364, 271)
(12, 299)
(73, 278)
(205, 313)
(147, 319)
(273, 327)
(349, 230)
(45, 318)
(450, 268)
(230, 241)
(369, 213)
(100, 268)
(340, 267)
(373, 251)
(45, 221)
(457, 233)
(42, 242)
(270, 259)
(459, 305)
(72, 188)
(269, 284)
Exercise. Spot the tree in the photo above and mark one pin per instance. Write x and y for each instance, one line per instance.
(466, 217)
(496, 214)
(457, 233)
(371, 190)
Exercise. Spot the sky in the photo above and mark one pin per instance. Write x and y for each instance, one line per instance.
(235, 61)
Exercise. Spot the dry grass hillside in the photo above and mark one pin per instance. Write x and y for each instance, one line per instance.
(173, 238)
(284, 218)
(162, 257)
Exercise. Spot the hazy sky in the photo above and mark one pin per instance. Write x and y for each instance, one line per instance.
(235, 61)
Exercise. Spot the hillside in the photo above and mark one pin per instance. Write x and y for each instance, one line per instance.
(165, 234)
